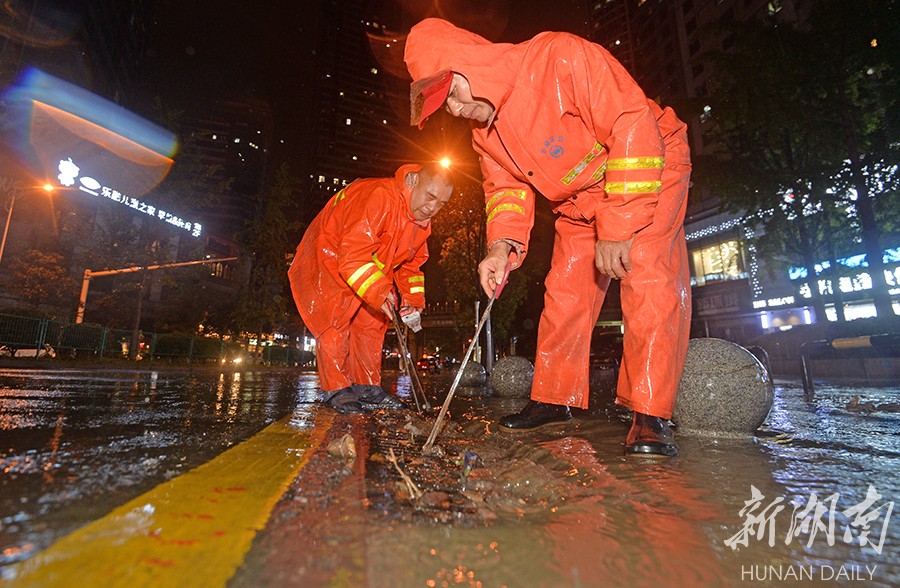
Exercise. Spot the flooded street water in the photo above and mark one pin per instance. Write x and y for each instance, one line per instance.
(809, 500)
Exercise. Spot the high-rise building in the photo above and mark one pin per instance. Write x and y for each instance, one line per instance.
(359, 101)
(661, 42)
(228, 150)
(99, 46)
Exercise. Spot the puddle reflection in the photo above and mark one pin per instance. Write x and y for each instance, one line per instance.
(74, 444)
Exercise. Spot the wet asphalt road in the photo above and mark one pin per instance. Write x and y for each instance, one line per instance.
(78, 447)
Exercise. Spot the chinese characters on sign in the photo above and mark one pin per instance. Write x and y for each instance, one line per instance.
(817, 516)
(69, 173)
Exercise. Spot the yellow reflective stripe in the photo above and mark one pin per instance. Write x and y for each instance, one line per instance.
(575, 171)
(520, 194)
(338, 197)
(377, 261)
(505, 207)
(601, 171)
(632, 187)
(365, 285)
(358, 273)
(416, 279)
(417, 290)
(636, 163)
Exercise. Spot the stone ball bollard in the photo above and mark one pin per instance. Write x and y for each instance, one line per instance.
(725, 391)
(473, 375)
(512, 376)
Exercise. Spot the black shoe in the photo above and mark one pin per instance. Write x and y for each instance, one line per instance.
(373, 397)
(650, 436)
(536, 415)
(344, 401)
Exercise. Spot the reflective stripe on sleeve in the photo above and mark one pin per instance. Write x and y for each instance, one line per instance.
(417, 289)
(629, 163)
(632, 187)
(377, 261)
(359, 273)
(505, 207)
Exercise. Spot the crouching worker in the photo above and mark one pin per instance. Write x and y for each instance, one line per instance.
(362, 252)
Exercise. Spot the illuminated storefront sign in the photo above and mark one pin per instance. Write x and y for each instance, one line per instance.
(720, 262)
(70, 174)
(773, 302)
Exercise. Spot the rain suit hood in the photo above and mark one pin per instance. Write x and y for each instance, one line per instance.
(434, 45)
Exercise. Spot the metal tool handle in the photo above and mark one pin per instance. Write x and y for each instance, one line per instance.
(410, 366)
(446, 405)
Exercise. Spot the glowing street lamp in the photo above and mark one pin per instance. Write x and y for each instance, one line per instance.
(445, 162)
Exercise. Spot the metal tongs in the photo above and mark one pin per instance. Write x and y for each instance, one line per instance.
(417, 390)
(487, 311)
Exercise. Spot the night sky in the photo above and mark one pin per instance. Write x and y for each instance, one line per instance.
(204, 50)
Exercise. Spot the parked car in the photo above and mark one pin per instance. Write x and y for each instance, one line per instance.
(429, 365)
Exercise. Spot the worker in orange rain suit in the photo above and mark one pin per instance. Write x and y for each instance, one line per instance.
(559, 115)
(367, 240)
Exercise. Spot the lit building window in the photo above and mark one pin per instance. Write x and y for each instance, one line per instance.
(374, 70)
(321, 179)
(716, 263)
(349, 121)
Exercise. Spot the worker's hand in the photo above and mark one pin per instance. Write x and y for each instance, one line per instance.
(412, 318)
(613, 258)
(389, 304)
(492, 268)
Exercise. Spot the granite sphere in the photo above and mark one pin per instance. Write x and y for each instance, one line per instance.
(725, 391)
(473, 375)
(512, 376)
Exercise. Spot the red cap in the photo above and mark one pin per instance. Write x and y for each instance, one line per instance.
(427, 95)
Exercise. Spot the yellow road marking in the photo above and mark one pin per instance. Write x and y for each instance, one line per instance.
(193, 530)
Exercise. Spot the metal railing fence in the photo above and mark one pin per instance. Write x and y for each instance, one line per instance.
(22, 336)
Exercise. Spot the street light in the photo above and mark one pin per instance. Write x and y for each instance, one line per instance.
(12, 203)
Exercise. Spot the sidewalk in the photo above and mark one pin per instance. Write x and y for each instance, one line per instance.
(566, 508)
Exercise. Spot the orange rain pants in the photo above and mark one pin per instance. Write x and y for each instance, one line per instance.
(351, 354)
(656, 306)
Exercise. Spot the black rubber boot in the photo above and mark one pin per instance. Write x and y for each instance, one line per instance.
(650, 436)
(373, 397)
(536, 415)
(344, 401)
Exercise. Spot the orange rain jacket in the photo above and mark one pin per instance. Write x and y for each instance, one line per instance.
(362, 244)
(572, 124)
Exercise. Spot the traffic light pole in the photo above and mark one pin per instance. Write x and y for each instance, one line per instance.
(88, 274)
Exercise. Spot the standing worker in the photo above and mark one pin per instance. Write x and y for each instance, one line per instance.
(366, 246)
(559, 115)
